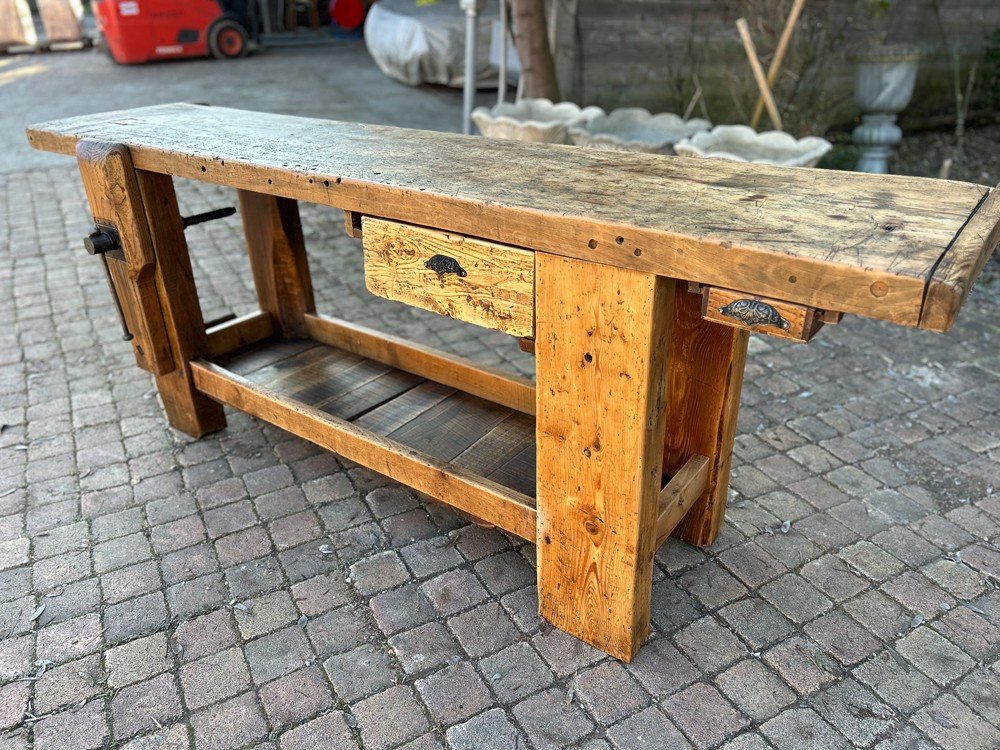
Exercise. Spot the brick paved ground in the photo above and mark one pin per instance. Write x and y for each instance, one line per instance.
(248, 590)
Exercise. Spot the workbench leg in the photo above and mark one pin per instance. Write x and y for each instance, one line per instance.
(187, 409)
(705, 376)
(278, 260)
(601, 356)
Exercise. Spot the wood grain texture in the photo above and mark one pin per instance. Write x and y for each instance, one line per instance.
(61, 19)
(490, 383)
(704, 380)
(796, 322)
(601, 351)
(470, 493)
(961, 264)
(112, 189)
(278, 260)
(679, 494)
(187, 410)
(239, 333)
(864, 244)
(491, 285)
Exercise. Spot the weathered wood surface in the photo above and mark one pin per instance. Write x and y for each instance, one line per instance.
(435, 439)
(775, 318)
(680, 493)
(480, 282)
(16, 25)
(601, 349)
(62, 19)
(864, 244)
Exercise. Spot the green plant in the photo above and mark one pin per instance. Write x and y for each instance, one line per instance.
(991, 70)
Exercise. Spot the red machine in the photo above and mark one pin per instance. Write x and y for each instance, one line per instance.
(137, 31)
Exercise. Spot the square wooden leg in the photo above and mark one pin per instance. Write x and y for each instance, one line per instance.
(278, 260)
(154, 281)
(601, 347)
(705, 376)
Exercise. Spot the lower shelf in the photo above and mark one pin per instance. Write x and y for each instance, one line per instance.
(467, 451)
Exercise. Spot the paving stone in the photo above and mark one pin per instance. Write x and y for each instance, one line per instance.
(649, 729)
(63, 686)
(896, 681)
(515, 673)
(340, 630)
(265, 614)
(189, 563)
(878, 614)
(490, 730)
(672, 608)
(751, 564)
(425, 648)
(662, 669)
(980, 690)
(70, 639)
(81, 729)
(320, 594)
(756, 690)
(484, 630)
(709, 645)
(505, 572)
(290, 531)
(277, 654)
(170, 738)
(13, 704)
(957, 579)
(378, 573)
(918, 594)
(390, 718)
(295, 697)
(243, 546)
(712, 585)
(756, 622)
(175, 535)
(214, 678)
(145, 706)
(130, 582)
(15, 657)
(803, 665)
(843, 637)
(71, 600)
(522, 606)
(454, 693)
(550, 721)
(194, 597)
(360, 673)
(118, 553)
(747, 741)
(855, 711)
(226, 726)
(833, 577)
(454, 591)
(934, 655)
(430, 556)
(953, 726)
(796, 598)
(564, 653)
(609, 692)
(330, 732)
(802, 729)
(704, 715)
(871, 561)
(401, 609)
(905, 545)
(203, 635)
(254, 578)
(137, 660)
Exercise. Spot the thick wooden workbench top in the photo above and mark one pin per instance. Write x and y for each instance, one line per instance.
(901, 249)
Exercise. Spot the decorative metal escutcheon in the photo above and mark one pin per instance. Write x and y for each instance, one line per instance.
(753, 312)
(442, 264)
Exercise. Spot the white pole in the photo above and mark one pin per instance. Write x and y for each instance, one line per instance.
(502, 85)
(471, 8)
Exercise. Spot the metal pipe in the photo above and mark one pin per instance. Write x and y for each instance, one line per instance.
(471, 8)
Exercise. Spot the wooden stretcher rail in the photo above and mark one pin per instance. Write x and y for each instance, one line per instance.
(889, 247)
(239, 333)
(679, 494)
(479, 497)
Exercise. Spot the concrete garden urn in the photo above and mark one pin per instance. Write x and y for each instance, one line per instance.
(742, 143)
(883, 86)
(635, 129)
(537, 120)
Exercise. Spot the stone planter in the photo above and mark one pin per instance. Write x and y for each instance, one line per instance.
(635, 129)
(742, 143)
(883, 86)
(537, 120)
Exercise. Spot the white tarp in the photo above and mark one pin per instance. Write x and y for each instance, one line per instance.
(426, 44)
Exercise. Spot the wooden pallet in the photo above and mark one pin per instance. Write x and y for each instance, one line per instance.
(17, 29)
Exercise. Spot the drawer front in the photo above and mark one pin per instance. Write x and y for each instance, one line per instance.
(785, 320)
(464, 278)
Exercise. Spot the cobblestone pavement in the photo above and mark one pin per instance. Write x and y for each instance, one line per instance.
(249, 590)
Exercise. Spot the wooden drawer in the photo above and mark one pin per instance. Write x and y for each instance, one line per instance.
(786, 320)
(464, 278)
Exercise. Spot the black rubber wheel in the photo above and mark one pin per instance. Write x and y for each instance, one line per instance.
(227, 39)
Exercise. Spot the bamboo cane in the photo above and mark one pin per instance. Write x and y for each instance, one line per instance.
(758, 74)
(779, 57)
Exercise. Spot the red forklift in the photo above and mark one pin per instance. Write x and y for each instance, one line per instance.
(137, 31)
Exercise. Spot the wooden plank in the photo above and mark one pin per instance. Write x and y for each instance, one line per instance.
(862, 244)
(245, 363)
(278, 259)
(601, 353)
(679, 494)
(490, 383)
(480, 282)
(961, 265)
(407, 407)
(472, 494)
(239, 333)
(352, 224)
(499, 446)
(450, 427)
(62, 19)
(773, 317)
(187, 410)
(704, 379)
(519, 472)
(17, 28)
(109, 180)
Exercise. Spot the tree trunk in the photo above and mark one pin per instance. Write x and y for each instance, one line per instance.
(532, 40)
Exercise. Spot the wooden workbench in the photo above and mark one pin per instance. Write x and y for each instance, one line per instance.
(635, 279)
